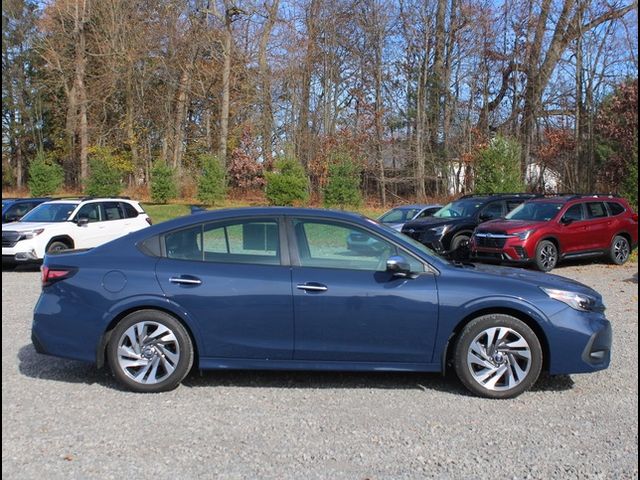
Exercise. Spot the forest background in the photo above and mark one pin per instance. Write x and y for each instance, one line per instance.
(404, 97)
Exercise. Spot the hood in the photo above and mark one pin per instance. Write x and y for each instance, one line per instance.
(26, 226)
(539, 279)
(503, 225)
(433, 222)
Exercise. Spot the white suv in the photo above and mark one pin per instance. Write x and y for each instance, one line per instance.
(70, 224)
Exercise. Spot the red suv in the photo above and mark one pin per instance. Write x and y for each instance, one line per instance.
(545, 230)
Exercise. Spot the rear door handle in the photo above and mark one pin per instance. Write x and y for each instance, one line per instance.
(312, 287)
(184, 280)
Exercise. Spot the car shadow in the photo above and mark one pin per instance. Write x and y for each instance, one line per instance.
(34, 365)
(633, 279)
(21, 268)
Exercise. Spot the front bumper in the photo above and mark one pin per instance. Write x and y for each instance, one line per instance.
(22, 251)
(582, 343)
(507, 250)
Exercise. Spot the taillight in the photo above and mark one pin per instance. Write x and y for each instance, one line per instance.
(51, 275)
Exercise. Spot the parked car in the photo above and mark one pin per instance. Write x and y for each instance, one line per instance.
(449, 229)
(547, 230)
(13, 209)
(394, 218)
(398, 216)
(68, 224)
(276, 289)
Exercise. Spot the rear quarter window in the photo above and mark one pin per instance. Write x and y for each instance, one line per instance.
(615, 208)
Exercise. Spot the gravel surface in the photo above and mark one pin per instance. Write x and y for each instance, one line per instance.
(64, 419)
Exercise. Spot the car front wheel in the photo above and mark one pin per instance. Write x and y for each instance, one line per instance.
(546, 256)
(620, 250)
(56, 246)
(150, 351)
(497, 356)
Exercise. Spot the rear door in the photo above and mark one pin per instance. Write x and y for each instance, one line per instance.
(348, 308)
(598, 226)
(232, 279)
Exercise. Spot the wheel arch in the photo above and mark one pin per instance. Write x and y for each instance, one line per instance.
(101, 351)
(66, 239)
(528, 320)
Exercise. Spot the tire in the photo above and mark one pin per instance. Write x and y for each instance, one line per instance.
(546, 256)
(57, 246)
(491, 369)
(620, 250)
(147, 365)
(460, 246)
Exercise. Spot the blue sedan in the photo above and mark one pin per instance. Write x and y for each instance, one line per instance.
(276, 288)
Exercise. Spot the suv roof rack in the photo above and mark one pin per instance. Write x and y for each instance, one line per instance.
(517, 194)
(595, 195)
(85, 197)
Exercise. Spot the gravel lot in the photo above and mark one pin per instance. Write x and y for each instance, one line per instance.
(64, 419)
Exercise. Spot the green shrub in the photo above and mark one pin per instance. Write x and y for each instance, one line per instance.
(497, 168)
(212, 184)
(163, 183)
(288, 184)
(45, 176)
(343, 183)
(105, 179)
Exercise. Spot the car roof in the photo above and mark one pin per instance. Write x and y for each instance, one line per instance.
(417, 205)
(564, 198)
(91, 199)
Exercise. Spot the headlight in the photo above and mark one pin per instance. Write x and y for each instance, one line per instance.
(524, 235)
(439, 230)
(31, 233)
(577, 301)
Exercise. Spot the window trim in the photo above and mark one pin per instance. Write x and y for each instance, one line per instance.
(294, 248)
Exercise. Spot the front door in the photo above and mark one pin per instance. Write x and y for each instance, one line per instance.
(229, 280)
(348, 308)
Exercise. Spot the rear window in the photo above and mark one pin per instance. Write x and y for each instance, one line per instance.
(615, 208)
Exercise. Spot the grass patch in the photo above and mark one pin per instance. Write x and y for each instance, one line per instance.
(162, 212)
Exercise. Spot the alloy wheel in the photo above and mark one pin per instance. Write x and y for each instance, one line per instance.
(499, 358)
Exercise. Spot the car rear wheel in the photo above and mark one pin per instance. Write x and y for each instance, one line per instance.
(57, 246)
(620, 250)
(546, 256)
(497, 356)
(150, 351)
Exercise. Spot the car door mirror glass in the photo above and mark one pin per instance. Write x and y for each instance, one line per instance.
(80, 221)
(566, 221)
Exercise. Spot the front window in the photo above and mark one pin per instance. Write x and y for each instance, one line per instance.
(459, 208)
(50, 212)
(535, 211)
(399, 215)
(332, 245)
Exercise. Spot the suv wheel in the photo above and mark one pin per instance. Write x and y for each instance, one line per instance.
(460, 246)
(57, 247)
(546, 256)
(498, 356)
(150, 351)
(620, 250)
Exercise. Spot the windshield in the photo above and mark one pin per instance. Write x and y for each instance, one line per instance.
(399, 215)
(50, 212)
(459, 208)
(537, 211)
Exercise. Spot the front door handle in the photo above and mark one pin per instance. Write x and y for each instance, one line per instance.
(185, 280)
(312, 287)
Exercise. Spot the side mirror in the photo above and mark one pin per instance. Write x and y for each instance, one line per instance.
(13, 218)
(82, 221)
(566, 221)
(398, 266)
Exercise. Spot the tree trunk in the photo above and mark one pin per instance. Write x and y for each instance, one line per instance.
(265, 81)
(226, 74)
